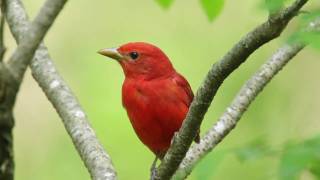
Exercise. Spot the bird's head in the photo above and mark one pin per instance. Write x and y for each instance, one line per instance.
(140, 60)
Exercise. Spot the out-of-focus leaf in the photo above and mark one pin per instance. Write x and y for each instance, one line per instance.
(212, 8)
(298, 157)
(254, 150)
(165, 3)
(312, 38)
(309, 16)
(208, 166)
(306, 36)
(273, 5)
(315, 168)
(309, 37)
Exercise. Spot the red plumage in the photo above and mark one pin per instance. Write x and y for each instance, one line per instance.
(156, 97)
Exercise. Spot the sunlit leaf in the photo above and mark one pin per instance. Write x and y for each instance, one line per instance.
(212, 8)
(165, 3)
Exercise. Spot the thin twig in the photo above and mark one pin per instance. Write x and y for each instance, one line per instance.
(241, 102)
(215, 77)
(74, 118)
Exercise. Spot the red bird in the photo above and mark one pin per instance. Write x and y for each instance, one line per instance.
(155, 95)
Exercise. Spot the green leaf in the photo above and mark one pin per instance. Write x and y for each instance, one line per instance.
(315, 168)
(298, 157)
(274, 5)
(212, 8)
(208, 166)
(312, 38)
(306, 17)
(164, 3)
(307, 36)
(253, 150)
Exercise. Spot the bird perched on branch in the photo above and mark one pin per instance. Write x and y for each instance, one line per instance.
(155, 95)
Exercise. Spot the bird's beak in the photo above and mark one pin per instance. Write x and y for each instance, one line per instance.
(111, 53)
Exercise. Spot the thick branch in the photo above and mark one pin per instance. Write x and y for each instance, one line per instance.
(23, 54)
(220, 71)
(7, 98)
(8, 87)
(74, 118)
(241, 102)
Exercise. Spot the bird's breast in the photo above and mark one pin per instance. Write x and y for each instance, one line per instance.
(155, 111)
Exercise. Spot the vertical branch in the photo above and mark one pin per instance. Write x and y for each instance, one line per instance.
(7, 98)
(11, 76)
(74, 118)
(2, 47)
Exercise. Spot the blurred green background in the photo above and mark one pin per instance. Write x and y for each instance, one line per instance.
(288, 108)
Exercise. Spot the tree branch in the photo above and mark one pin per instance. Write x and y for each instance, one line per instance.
(8, 89)
(23, 54)
(241, 102)
(11, 76)
(239, 105)
(215, 77)
(2, 47)
(74, 118)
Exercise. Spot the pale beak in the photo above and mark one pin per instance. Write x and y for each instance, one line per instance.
(111, 53)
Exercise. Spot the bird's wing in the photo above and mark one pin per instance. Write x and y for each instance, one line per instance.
(183, 83)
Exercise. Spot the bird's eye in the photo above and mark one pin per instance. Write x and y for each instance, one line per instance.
(134, 55)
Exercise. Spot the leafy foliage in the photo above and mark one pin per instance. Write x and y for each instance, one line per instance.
(315, 168)
(212, 8)
(305, 35)
(208, 166)
(298, 157)
(254, 150)
(294, 159)
(312, 38)
(306, 17)
(165, 3)
(273, 5)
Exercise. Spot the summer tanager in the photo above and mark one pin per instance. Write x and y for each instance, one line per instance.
(155, 95)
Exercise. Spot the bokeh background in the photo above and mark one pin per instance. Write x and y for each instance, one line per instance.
(287, 110)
